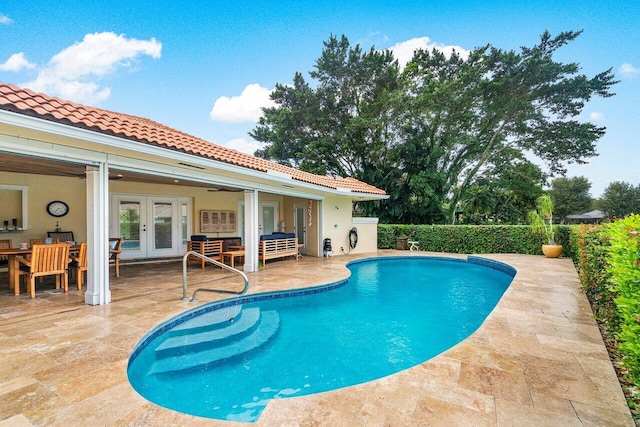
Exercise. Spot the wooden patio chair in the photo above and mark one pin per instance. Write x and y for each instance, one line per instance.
(62, 236)
(5, 244)
(115, 248)
(33, 242)
(208, 248)
(46, 260)
(78, 264)
(4, 260)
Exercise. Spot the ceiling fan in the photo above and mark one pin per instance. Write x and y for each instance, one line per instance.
(84, 176)
(224, 189)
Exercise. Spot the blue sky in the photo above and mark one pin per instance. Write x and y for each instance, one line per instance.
(207, 67)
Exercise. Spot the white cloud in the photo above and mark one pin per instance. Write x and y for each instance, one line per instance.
(629, 70)
(244, 108)
(596, 116)
(4, 19)
(243, 145)
(16, 62)
(72, 72)
(403, 51)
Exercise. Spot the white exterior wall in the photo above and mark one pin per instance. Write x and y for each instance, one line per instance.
(367, 235)
(337, 222)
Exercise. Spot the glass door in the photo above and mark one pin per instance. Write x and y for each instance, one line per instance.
(151, 226)
(268, 216)
(241, 220)
(161, 239)
(300, 227)
(130, 225)
(267, 219)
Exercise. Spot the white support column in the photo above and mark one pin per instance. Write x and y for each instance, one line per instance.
(250, 231)
(320, 219)
(98, 291)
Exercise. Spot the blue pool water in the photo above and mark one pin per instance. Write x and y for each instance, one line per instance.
(228, 360)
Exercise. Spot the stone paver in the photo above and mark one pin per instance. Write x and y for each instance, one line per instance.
(538, 359)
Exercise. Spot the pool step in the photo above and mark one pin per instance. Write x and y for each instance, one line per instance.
(182, 344)
(267, 328)
(213, 320)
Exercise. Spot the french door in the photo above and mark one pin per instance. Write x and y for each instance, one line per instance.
(150, 226)
(300, 226)
(268, 216)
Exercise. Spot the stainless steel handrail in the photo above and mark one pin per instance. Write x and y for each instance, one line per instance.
(214, 262)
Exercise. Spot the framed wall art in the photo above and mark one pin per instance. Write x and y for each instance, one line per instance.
(213, 221)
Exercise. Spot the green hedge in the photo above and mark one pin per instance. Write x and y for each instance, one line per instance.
(592, 265)
(474, 239)
(623, 258)
(609, 268)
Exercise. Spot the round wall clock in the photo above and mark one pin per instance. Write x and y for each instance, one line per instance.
(57, 208)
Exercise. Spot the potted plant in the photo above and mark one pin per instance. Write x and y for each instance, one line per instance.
(401, 242)
(541, 221)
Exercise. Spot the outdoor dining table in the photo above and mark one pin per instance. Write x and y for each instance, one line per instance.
(11, 255)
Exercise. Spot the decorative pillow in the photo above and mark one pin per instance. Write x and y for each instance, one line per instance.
(112, 247)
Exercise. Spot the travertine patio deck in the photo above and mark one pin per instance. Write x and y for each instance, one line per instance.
(538, 359)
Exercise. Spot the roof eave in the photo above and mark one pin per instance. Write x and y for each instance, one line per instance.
(368, 197)
(79, 133)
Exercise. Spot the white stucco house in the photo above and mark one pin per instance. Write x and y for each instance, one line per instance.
(154, 186)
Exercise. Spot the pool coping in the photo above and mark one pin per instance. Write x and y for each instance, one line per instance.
(264, 296)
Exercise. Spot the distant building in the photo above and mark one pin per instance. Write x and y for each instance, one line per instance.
(593, 217)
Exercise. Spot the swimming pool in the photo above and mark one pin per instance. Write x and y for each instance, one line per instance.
(227, 360)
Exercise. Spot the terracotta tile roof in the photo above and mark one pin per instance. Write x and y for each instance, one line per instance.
(139, 129)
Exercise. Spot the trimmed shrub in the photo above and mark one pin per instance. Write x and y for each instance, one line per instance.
(591, 261)
(386, 237)
(624, 268)
(470, 239)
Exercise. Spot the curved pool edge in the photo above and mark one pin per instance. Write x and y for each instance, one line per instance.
(496, 265)
(473, 259)
(155, 332)
(190, 314)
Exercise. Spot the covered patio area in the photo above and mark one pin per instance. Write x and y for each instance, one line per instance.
(538, 359)
(67, 167)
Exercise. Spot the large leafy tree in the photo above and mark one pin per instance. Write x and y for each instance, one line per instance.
(505, 195)
(620, 199)
(571, 196)
(500, 104)
(343, 124)
(427, 134)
